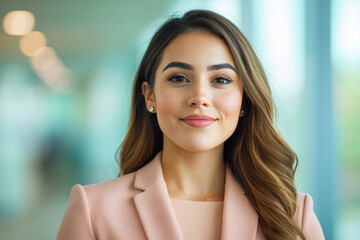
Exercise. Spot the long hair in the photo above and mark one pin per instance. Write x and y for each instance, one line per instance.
(260, 159)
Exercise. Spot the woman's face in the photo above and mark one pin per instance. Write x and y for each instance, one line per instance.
(197, 93)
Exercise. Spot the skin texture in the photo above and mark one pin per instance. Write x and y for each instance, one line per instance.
(192, 159)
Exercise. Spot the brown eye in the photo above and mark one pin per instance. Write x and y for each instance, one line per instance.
(177, 79)
(222, 80)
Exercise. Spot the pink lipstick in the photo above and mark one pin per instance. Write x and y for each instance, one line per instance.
(198, 120)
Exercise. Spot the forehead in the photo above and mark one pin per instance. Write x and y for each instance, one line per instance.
(197, 48)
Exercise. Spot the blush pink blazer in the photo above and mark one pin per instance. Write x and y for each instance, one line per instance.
(137, 206)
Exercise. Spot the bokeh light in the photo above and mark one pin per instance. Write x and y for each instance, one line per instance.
(33, 44)
(51, 70)
(45, 61)
(18, 23)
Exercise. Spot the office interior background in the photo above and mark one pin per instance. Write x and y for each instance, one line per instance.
(66, 73)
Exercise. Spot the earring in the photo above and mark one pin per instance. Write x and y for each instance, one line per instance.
(242, 112)
(152, 109)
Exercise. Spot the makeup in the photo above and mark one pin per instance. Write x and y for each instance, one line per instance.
(198, 120)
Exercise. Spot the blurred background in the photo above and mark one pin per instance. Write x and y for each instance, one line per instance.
(66, 72)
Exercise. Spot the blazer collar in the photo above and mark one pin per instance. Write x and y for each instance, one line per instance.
(153, 204)
(239, 220)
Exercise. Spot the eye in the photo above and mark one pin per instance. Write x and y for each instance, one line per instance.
(177, 79)
(222, 80)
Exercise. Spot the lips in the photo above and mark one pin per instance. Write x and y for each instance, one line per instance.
(198, 120)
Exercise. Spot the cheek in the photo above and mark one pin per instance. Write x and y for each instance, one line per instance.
(230, 104)
(166, 101)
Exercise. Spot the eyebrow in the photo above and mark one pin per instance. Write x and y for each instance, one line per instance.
(190, 67)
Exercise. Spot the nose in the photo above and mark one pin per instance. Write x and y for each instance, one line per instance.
(199, 95)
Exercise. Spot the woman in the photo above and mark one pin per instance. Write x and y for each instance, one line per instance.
(202, 158)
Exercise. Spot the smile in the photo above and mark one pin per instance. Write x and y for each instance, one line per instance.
(198, 120)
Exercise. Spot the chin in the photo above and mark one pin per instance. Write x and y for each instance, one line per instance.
(194, 143)
(198, 147)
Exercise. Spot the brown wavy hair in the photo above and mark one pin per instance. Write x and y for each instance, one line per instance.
(260, 159)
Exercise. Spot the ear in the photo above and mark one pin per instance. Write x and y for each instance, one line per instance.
(149, 95)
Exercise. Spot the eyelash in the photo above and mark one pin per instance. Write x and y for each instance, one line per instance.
(177, 76)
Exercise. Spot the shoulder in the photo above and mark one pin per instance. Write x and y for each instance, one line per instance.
(306, 218)
(304, 206)
(120, 189)
(93, 210)
(102, 202)
(124, 182)
(113, 189)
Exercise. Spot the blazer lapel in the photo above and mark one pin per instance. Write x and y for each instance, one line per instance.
(153, 204)
(240, 220)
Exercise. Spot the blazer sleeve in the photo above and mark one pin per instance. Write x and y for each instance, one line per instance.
(309, 222)
(76, 223)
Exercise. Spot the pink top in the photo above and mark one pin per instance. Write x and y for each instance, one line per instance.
(198, 219)
(137, 206)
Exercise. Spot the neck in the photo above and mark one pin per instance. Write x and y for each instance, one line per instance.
(198, 176)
